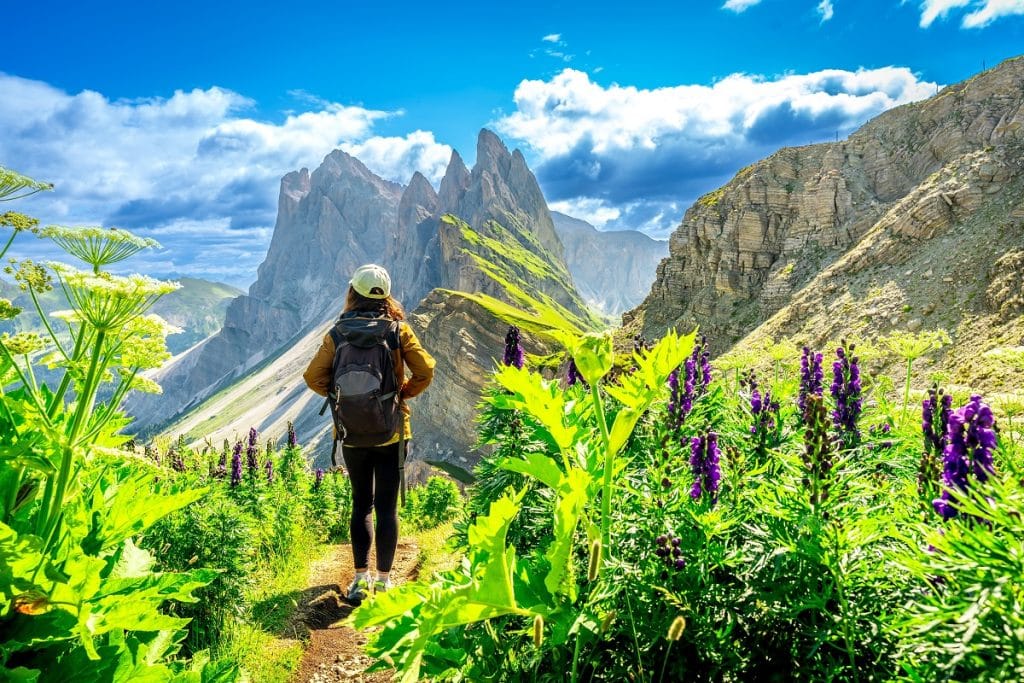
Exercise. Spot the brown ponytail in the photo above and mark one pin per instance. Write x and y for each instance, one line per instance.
(389, 306)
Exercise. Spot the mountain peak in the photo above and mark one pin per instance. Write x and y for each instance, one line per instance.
(454, 183)
(489, 147)
(419, 192)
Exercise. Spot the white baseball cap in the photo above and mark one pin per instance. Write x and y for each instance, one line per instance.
(370, 277)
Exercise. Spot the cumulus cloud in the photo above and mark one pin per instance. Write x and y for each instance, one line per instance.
(739, 6)
(397, 158)
(938, 9)
(826, 10)
(983, 12)
(641, 150)
(989, 11)
(552, 38)
(194, 161)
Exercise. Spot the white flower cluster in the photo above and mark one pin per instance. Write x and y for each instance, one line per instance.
(108, 301)
(97, 246)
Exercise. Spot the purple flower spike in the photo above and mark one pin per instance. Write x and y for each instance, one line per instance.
(318, 480)
(971, 440)
(513, 349)
(846, 391)
(236, 465)
(705, 466)
(811, 376)
(293, 440)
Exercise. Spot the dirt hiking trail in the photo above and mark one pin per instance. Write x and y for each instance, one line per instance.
(335, 650)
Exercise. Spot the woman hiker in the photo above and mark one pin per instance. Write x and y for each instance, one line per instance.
(372, 455)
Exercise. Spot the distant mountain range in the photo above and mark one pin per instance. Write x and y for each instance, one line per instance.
(916, 221)
(613, 270)
(480, 251)
(197, 308)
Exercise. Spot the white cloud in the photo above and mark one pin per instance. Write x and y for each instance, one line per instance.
(983, 12)
(739, 6)
(991, 10)
(637, 149)
(557, 115)
(552, 38)
(938, 9)
(597, 212)
(397, 158)
(195, 158)
(826, 10)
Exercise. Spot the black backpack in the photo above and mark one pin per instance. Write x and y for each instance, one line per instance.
(364, 395)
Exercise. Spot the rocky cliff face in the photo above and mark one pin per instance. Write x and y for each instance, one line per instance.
(613, 270)
(753, 247)
(329, 222)
(486, 231)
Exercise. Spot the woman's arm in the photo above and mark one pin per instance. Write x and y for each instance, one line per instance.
(318, 374)
(419, 362)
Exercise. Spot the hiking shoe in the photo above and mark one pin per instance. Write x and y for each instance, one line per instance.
(357, 591)
(382, 586)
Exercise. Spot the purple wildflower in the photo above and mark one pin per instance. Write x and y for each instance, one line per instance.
(971, 439)
(705, 364)
(704, 463)
(318, 479)
(817, 455)
(810, 378)
(677, 407)
(764, 413)
(845, 391)
(236, 465)
(268, 467)
(293, 440)
(935, 412)
(669, 551)
(513, 349)
(177, 461)
(572, 374)
(252, 451)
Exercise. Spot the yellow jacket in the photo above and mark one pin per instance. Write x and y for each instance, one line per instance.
(412, 356)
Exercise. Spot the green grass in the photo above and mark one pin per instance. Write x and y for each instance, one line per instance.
(516, 261)
(269, 645)
(435, 553)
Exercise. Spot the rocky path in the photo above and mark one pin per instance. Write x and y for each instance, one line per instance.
(335, 650)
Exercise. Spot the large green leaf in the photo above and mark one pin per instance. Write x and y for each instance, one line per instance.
(536, 465)
(573, 495)
(544, 401)
(638, 389)
(413, 615)
(125, 504)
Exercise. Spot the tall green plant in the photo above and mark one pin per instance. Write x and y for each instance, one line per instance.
(542, 587)
(78, 598)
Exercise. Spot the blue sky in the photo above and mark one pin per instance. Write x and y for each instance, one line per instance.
(178, 119)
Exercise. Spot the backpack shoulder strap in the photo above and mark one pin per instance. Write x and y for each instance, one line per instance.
(336, 336)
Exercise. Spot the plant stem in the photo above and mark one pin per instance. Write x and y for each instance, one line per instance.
(576, 659)
(664, 662)
(906, 391)
(609, 459)
(8, 245)
(845, 607)
(54, 506)
(46, 324)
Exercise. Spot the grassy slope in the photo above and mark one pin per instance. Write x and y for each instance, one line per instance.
(198, 308)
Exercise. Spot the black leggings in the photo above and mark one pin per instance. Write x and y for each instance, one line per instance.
(373, 471)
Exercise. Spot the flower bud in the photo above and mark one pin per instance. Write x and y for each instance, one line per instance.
(606, 623)
(538, 631)
(675, 631)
